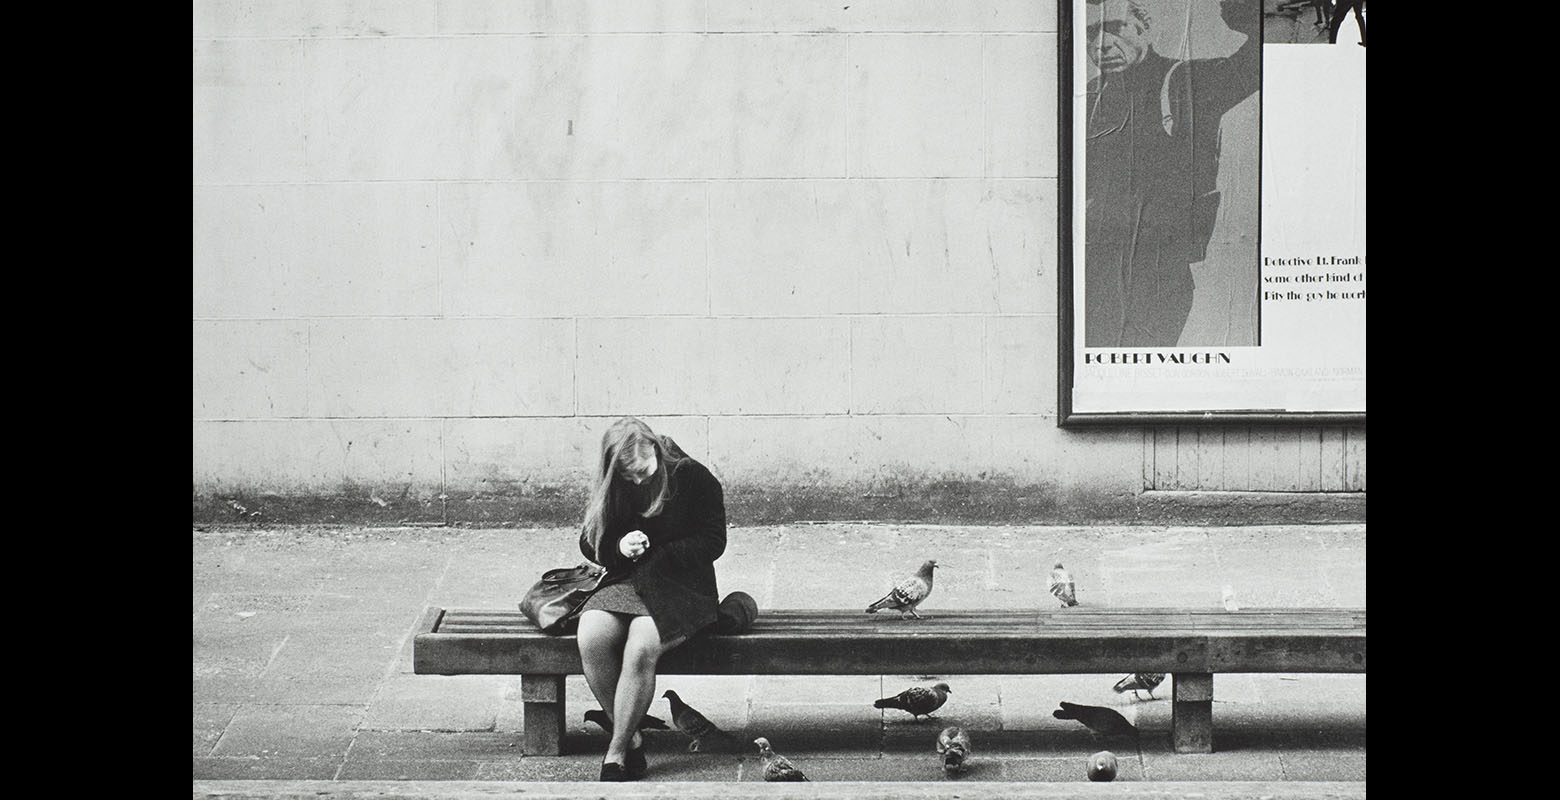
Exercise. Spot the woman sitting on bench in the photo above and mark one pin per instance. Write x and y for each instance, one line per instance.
(656, 519)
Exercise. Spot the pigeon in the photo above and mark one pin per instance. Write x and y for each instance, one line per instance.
(1146, 681)
(1103, 721)
(908, 593)
(1103, 766)
(647, 722)
(776, 766)
(953, 744)
(920, 701)
(696, 725)
(1062, 586)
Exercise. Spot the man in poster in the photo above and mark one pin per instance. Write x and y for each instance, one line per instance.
(1152, 160)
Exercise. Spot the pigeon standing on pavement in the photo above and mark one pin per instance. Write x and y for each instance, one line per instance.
(1062, 586)
(920, 701)
(1103, 721)
(908, 593)
(1145, 681)
(648, 722)
(776, 766)
(953, 744)
(695, 725)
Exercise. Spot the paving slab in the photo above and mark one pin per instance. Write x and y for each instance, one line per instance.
(296, 731)
(263, 770)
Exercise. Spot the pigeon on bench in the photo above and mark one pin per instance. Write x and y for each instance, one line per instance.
(908, 593)
(1062, 586)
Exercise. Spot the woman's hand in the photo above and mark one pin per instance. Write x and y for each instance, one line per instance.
(633, 544)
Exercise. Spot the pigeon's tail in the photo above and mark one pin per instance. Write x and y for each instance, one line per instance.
(1126, 684)
(888, 601)
(953, 758)
(890, 702)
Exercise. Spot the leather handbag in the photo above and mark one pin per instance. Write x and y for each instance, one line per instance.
(553, 603)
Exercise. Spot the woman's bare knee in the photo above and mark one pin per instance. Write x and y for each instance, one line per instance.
(600, 633)
(643, 648)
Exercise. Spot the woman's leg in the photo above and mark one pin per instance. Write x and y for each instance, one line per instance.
(635, 685)
(601, 636)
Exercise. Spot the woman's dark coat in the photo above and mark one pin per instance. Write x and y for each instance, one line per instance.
(676, 575)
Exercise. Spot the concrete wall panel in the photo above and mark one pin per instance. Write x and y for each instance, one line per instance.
(949, 246)
(907, 450)
(561, 249)
(568, 16)
(315, 250)
(240, 18)
(250, 369)
(929, 16)
(784, 247)
(576, 107)
(249, 124)
(917, 365)
(438, 368)
(916, 107)
(713, 366)
(1019, 377)
(317, 457)
(1021, 105)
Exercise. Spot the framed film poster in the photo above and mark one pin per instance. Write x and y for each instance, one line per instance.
(1212, 186)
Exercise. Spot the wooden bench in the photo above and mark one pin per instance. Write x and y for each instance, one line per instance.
(1192, 645)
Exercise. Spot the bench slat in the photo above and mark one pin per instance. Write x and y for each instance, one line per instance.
(826, 623)
(831, 642)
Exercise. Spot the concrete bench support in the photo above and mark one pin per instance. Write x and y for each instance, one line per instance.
(544, 714)
(1191, 712)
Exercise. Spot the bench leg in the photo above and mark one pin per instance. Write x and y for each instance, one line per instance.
(1191, 712)
(544, 714)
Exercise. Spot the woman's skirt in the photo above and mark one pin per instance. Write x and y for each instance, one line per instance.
(617, 597)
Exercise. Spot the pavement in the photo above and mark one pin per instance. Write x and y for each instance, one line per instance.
(303, 682)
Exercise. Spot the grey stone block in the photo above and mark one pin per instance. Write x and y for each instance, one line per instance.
(267, 769)
(1215, 766)
(1323, 765)
(211, 719)
(357, 769)
(437, 702)
(290, 731)
(434, 746)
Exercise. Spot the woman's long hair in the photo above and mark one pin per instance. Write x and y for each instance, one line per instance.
(611, 497)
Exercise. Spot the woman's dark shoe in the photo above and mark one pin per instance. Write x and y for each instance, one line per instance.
(636, 766)
(612, 772)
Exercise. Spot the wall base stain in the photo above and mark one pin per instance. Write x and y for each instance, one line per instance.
(949, 502)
